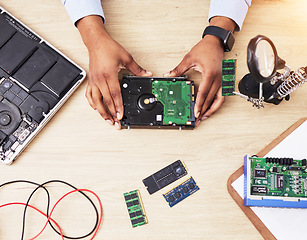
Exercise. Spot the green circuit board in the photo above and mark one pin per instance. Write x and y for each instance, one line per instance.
(178, 100)
(228, 77)
(284, 177)
(135, 208)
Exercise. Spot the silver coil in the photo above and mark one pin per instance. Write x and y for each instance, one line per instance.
(292, 82)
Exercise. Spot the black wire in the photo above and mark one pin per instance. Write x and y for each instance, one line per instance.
(34, 183)
(48, 205)
(60, 181)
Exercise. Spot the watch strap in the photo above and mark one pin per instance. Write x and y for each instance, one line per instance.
(221, 33)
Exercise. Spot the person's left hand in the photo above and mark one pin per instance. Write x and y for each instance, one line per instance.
(206, 57)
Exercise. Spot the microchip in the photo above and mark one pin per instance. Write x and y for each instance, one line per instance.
(280, 181)
(260, 173)
(191, 185)
(177, 194)
(274, 169)
(171, 198)
(181, 192)
(259, 190)
(165, 176)
(295, 168)
(128, 197)
(135, 208)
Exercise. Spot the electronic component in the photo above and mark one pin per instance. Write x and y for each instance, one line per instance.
(228, 77)
(275, 182)
(165, 176)
(279, 181)
(158, 102)
(35, 81)
(260, 173)
(135, 208)
(259, 190)
(181, 192)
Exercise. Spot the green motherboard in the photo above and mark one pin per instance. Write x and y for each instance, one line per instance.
(284, 177)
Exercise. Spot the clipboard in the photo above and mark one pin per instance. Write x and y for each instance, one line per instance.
(263, 230)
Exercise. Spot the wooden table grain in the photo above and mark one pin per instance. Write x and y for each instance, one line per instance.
(78, 146)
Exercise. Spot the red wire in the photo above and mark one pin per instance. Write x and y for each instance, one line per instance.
(19, 203)
(77, 190)
(49, 217)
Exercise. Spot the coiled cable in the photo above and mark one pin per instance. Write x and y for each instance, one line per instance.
(293, 81)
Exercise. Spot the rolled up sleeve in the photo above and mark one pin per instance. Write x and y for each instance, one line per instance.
(78, 9)
(233, 9)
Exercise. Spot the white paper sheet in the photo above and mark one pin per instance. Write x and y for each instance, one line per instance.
(284, 223)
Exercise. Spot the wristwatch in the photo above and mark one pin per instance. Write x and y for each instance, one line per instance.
(226, 36)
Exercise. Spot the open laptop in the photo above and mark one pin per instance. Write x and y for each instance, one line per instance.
(35, 81)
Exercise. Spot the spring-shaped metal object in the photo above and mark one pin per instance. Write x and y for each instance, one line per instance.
(295, 80)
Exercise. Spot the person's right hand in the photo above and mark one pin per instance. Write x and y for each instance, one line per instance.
(106, 59)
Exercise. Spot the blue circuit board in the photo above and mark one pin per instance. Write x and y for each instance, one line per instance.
(182, 191)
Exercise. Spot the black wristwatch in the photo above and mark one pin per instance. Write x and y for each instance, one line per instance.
(226, 36)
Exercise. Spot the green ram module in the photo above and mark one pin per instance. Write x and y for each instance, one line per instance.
(228, 77)
(135, 208)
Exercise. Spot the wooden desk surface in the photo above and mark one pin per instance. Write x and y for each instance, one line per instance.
(81, 148)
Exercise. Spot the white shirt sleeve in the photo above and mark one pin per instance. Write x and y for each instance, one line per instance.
(78, 9)
(233, 9)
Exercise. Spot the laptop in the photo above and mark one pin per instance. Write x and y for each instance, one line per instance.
(35, 81)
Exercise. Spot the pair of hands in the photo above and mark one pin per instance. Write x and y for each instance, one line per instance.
(107, 58)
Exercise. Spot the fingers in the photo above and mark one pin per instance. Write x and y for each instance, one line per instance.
(209, 97)
(94, 98)
(88, 95)
(116, 101)
(136, 69)
(202, 94)
(105, 97)
(104, 90)
(181, 68)
(217, 103)
(104, 93)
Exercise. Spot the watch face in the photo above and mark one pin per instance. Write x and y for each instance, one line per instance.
(229, 41)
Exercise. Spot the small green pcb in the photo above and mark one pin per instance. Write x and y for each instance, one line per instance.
(135, 208)
(178, 100)
(229, 77)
